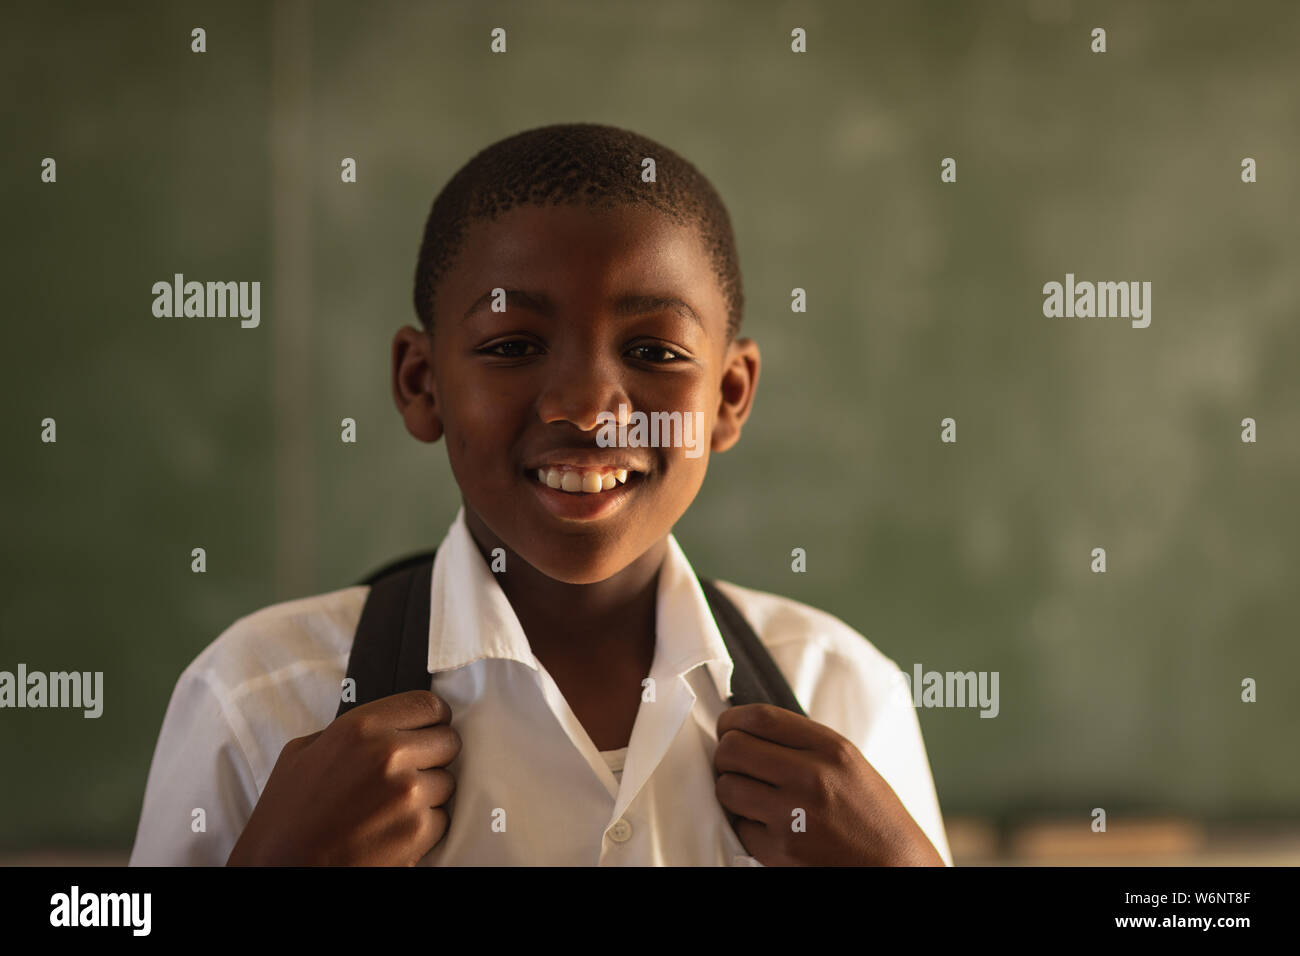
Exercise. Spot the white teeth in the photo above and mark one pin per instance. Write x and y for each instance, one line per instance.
(576, 480)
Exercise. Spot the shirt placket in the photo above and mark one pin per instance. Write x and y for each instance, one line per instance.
(627, 840)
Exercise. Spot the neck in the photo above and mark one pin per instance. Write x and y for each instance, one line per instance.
(558, 617)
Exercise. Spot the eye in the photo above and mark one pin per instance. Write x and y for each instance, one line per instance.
(656, 353)
(512, 349)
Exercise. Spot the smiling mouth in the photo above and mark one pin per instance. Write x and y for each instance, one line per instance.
(584, 481)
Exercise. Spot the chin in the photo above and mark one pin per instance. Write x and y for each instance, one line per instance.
(592, 568)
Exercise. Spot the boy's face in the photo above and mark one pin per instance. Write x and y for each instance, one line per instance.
(519, 390)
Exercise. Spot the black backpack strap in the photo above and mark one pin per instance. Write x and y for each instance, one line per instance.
(756, 679)
(390, 651)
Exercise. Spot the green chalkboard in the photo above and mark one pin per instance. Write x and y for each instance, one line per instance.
(924, 302)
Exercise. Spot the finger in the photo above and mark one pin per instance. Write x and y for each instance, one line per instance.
(732, 819)
(427, 788)
(431, 827)
(427, 747)
(409, 710)
(755, 838)
(437, 823)
(776, 724)
(746, 797)
(438, 786)
(743, 753)
(404, 839)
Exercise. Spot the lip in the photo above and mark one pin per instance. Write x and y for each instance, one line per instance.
(587, 458)
(581, 505)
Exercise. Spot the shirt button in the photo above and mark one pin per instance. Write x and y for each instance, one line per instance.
(621, 831)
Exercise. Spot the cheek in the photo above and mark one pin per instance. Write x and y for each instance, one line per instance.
(689, 395)
(692, 399)
(481, 437)
(475, 422)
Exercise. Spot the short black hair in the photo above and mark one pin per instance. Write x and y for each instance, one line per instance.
(575, 164)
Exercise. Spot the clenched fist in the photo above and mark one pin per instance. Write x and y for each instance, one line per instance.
(368, 790)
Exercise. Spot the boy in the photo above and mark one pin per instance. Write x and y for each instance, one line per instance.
(577, 711)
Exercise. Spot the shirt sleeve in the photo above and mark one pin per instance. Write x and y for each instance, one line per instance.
(198, 765)
(895, 741)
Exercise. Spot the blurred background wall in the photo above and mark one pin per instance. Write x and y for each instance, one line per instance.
(1119, 690)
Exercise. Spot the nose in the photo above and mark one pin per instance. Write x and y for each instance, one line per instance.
(577, 391)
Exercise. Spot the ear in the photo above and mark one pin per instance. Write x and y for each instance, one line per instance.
(413, 383)
(739, 382)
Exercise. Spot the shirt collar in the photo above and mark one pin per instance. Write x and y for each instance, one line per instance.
(470, 617)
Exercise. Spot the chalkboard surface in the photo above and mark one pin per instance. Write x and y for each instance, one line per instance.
(924, 302)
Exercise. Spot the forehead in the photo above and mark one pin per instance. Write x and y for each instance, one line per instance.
(582, 255)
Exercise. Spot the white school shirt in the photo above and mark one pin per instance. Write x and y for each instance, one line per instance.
(531, 787)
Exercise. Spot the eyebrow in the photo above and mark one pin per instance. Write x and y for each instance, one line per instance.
(623, 306)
